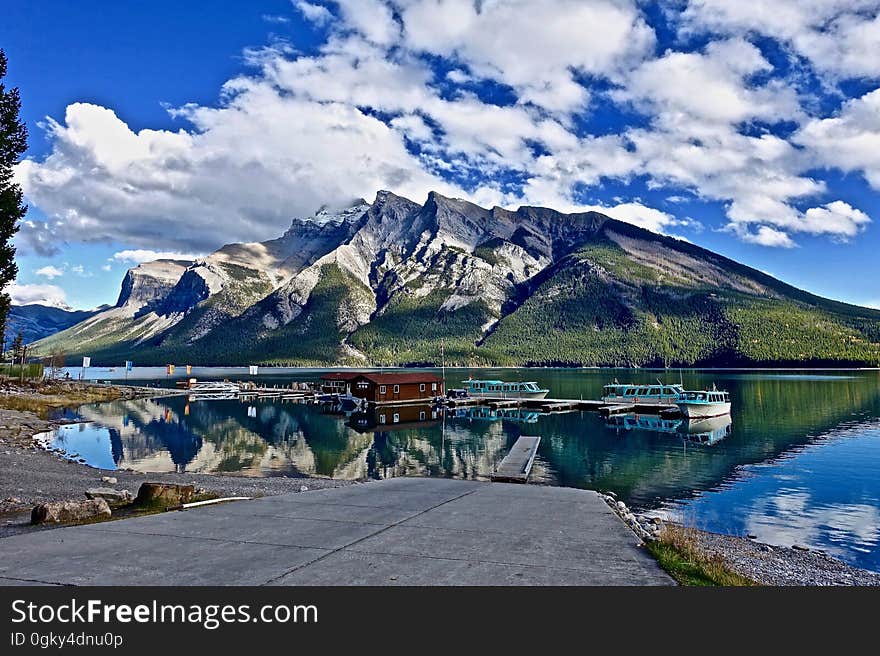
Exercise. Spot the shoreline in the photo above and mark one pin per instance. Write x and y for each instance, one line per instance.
(33, 475)
(765, 564)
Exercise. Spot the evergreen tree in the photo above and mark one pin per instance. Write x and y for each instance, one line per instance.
(13, 143)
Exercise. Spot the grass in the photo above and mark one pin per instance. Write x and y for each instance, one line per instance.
(41, 397)
(678, 551)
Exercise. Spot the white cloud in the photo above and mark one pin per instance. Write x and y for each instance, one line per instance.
(140, 255)
(49, 272)
(50, 295)
(317, 14)
(276, 18)
(641, 215)
(849, 141)
(371, 18)
(767, 236)
(681, 87)
(305, 130)
(534, 46)
(840, 38)
(836, 218)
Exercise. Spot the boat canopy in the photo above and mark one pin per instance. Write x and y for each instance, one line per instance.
(502, 386)
(642, 391)
(703, 396)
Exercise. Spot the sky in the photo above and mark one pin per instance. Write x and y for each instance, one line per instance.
(171, 128)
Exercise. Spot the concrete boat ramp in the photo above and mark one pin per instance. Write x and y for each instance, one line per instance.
(402, 531)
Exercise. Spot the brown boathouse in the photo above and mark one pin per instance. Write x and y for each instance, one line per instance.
(402, 387)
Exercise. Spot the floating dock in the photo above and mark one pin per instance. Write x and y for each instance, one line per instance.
(310, 394)
(517, 464)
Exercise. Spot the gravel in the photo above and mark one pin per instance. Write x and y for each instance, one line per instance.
(767, 564)
(31, 475)
(775, 565)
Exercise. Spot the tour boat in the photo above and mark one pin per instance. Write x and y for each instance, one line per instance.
(499, 389)
(657, 394)
(213, 387)
(699, 404)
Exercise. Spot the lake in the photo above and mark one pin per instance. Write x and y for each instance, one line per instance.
(797, 462)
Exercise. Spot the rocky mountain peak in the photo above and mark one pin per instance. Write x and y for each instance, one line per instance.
(149, 282)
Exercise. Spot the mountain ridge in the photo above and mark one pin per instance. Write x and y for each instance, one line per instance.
(383, 282)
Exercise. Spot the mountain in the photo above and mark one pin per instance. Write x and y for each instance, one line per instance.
(385, 283)
(35, 321)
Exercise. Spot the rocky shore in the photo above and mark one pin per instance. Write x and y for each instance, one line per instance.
(763, 563)
(31, 475)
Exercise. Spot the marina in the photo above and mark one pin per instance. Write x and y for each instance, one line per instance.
(772, 471)
(400, 389)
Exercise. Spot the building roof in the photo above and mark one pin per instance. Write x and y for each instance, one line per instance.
(341, 375)
(400, 378)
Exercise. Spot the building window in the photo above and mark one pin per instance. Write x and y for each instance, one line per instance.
(433, 387)
(422, 415)
(397, 389)
(382, 418)
(381, 389)
(422, 387)
(396, 418)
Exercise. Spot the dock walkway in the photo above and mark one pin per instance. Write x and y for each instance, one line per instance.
(517, 464)
(402, 531)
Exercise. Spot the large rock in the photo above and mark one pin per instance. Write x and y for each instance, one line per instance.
(111, 496)
(62, 512)
(164, 495)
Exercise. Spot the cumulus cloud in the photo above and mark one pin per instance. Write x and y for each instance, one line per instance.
(641, 215)
(534, 46)
(840, 38)
(49, 272)
(837, 218)
(767, 236)
(370, 109)
(317, 14)
(50, 295)
(849, 141)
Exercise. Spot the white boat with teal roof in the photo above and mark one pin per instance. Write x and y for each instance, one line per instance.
(500, 389)
(632, 394)
(701, 404)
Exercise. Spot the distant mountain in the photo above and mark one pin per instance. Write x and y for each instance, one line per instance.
(385, 283)
(35, 321)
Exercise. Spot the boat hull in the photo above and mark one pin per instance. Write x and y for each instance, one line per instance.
(703, 410)
(509, 395)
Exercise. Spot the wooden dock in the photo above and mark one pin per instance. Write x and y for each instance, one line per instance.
(517, 464)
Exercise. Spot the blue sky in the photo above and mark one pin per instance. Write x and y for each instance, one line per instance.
(752, 129)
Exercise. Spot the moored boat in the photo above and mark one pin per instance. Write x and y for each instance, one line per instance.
(700, 404)
(499, 389)
(213, 387)
(657, 394)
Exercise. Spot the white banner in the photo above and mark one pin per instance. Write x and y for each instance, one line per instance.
(253, 369)
(86, 362)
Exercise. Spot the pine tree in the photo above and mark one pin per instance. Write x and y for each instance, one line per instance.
(13, 143)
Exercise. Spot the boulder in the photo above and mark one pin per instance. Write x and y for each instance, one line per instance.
(69, 511)
(111, 496)
(164, 494)
(111, 480)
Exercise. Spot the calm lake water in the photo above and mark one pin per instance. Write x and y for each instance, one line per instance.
(798, 462)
